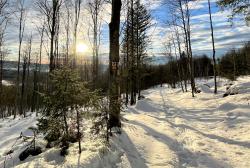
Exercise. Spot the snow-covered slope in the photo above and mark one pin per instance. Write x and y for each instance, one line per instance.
(171, 129)
(167, 129)
(10, 131)
(6, 83)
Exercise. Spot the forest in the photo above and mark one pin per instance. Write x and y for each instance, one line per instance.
(124, 83)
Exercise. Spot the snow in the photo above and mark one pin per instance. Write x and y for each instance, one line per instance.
(167, 129)
(171, 129)
(10, 130)
(6, 83)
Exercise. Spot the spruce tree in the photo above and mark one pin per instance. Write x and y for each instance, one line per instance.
(135, 43)
(69, 97)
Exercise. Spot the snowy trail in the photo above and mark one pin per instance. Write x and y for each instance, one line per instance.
(171, 129)
(167, 129)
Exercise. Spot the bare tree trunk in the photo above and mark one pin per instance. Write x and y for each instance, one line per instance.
(41, 50)
(23, 86)
(186, 29)
(190, 51)
(3, 25)
(114, 92)
(67, 28)
(29, 55)
(2, 55)
(35, 88)
(177, 62)
(133, 79)
(127, 59)
(1, 73)
(78, 130)
(234, 64)
(21, 32)
(77, 15)
(214, 59)
(94, 9)
(52, 64)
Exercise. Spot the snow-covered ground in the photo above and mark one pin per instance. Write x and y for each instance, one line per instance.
(171, 129)
(166, 129)
(6, 83)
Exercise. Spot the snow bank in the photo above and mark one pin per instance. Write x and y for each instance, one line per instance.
(94, 153)
(6, 83)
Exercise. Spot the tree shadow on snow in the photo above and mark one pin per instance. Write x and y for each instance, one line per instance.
(146, 106)
(134, 157)
(185, 156)
(210, 136)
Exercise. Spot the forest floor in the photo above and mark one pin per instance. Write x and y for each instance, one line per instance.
(166, 129)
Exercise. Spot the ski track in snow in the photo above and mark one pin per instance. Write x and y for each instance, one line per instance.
(172, 129)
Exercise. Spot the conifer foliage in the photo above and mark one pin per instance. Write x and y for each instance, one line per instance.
(135, 43)
(65, 106)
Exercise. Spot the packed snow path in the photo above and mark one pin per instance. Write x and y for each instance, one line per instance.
(171, 129)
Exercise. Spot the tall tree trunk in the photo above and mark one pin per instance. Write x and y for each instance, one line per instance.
(29, 58)
(35, 88)
(234, 64)
(185, 29)
(133, 75)
(127, 65)
(21, 32)
(51, 63)
(22, 103)
(40, 55)
(191, 63)
(214, 59)
(114, 92)
(78, 130)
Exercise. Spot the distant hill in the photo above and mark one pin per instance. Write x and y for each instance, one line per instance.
(10, 69)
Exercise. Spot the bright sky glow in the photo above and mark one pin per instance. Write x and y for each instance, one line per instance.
(81, 48)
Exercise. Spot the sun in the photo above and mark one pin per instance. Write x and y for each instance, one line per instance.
(81, 48)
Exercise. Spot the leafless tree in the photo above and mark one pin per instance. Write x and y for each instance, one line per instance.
(23, 97)
(181, 11)
(4, 17)
(212, 35)
(67, 27)
(95, 7)
(21, 15)
(77, 11)
(190, 52)
(51, 11)
(22, 19)
(29, 48)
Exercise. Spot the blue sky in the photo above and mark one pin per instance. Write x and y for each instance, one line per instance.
(227, 37)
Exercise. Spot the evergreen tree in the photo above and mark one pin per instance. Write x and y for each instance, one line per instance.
(70, 97)
(135, 43)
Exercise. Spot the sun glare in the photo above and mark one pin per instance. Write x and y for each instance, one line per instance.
(81, 48)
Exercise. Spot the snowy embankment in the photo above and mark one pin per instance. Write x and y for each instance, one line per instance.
(166, 129)
(6, 83)
(94, 153)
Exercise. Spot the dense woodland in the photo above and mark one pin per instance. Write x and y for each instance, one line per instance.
(71, 88)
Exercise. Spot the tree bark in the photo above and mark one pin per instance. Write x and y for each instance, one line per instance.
(214, 59)
(114, 92)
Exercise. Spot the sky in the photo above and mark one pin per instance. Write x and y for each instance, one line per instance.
(227, 36)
